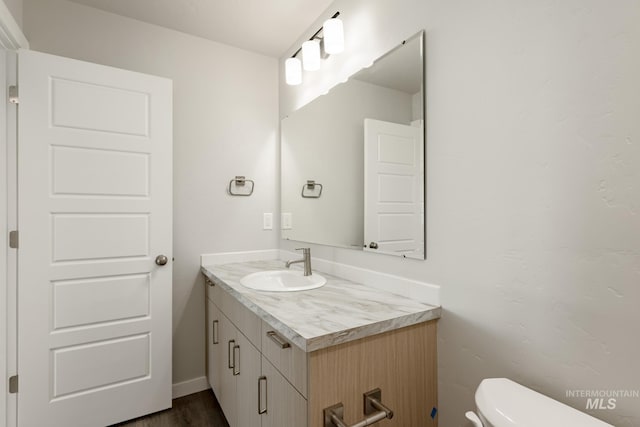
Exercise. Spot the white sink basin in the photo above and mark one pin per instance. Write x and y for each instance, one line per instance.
(282, 281)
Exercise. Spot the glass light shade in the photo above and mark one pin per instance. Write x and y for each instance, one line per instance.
(333, 36)
(311, 55)
(293, 71)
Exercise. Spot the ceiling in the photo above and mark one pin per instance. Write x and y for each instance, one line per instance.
(269, 27)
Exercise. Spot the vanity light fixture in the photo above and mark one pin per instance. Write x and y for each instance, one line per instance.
(311, 55)
(328, 40)
(293, 71)
(333, 36)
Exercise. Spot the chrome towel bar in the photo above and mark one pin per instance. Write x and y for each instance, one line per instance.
(374, 411)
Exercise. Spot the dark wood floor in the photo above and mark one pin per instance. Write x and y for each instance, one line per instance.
(198, 410)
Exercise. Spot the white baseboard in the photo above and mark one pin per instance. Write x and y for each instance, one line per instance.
(189, 387)
(228, 257)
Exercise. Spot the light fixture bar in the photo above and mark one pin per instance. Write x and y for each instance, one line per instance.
(314, 49)
(315, 35)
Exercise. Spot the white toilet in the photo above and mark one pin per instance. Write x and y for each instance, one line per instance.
(504, 403)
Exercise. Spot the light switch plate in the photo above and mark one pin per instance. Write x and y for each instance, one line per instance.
(287, 221)
(267, 221)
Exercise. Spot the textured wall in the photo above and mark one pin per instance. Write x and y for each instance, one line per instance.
(225, 124)
(533, 204)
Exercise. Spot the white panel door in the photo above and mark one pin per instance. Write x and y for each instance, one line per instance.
(94, 212)
(393, 193)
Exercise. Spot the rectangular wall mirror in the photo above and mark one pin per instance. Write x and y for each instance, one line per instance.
(353, 160)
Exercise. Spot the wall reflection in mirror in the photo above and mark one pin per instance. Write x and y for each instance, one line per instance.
(353, 160)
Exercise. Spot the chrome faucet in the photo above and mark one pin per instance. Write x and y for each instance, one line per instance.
(306, 259)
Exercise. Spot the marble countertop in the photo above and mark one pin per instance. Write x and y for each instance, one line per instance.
(340, 311)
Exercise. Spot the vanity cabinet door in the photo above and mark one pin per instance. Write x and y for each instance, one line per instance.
(215, 354)
(288, 359)
(285, 406)
(247, 376)
(228, 390)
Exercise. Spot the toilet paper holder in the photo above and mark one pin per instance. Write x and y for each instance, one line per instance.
(373, 408)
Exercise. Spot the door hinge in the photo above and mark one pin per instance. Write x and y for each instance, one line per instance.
(14, 239)
(13, 95)
(13, 384)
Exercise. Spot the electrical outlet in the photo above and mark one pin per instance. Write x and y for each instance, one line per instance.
(287, 221)
(267, 221)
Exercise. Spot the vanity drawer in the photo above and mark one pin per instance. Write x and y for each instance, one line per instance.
(213, 291)
(287, 358)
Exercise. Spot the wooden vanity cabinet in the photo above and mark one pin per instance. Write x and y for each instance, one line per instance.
(233, 365)
(402, 363)
(250, 390)
(214, 349)
(285, 406)
(276, 384)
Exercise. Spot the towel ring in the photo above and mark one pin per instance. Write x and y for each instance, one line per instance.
(240, 181)
(311, 185)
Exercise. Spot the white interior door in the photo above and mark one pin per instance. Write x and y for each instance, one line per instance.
(94, 211)
(393, 189)
(3, 238)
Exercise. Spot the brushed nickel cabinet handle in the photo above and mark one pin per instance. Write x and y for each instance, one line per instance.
(214, 332)
(266, 390)
(236, 363)
(230, 345)
(278, 340)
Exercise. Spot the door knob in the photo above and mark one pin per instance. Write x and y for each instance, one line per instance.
(161, 260)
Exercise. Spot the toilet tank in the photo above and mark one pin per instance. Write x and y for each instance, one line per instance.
(504, 403)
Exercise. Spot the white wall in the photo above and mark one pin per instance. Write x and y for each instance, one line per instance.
(533, 207)
(225, 124)
(324, 141)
